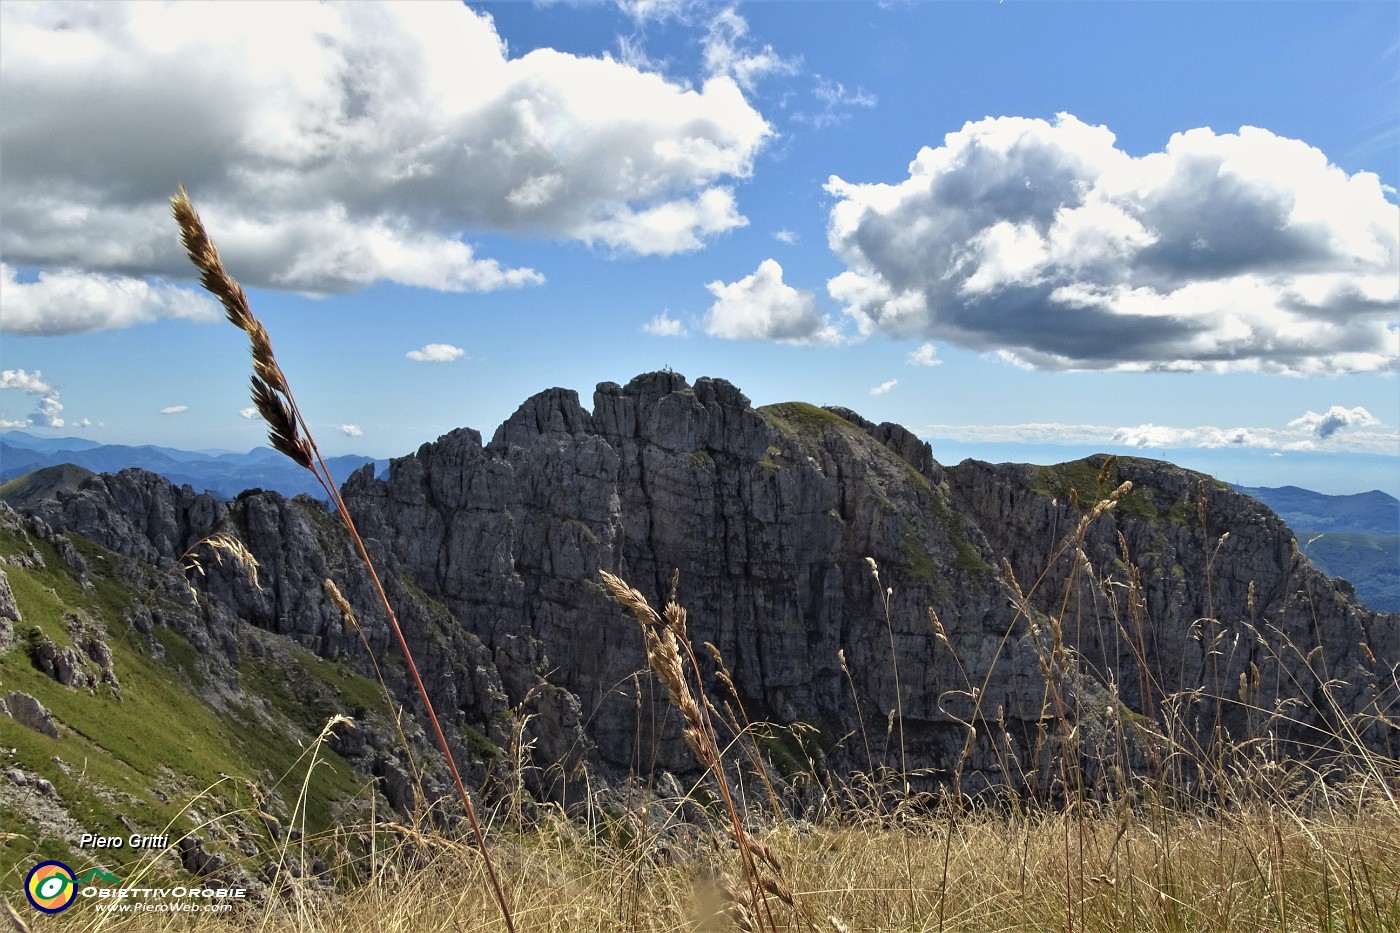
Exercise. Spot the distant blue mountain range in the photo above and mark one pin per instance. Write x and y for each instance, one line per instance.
(1370, 513)
(1355, 537)
(220, 472)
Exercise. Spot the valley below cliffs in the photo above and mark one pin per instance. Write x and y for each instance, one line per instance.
(970, 624)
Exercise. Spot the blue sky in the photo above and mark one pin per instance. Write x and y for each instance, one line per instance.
(1027, 231)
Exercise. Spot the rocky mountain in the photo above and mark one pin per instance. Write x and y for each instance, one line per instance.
(848, 580)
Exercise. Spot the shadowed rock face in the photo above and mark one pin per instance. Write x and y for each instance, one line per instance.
(768, 516)
(766, 519)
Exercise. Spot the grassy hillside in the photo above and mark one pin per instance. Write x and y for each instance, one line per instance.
(39, 485)
(180, 744)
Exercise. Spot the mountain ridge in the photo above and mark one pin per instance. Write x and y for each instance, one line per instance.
(1330, 523)
(806, 543)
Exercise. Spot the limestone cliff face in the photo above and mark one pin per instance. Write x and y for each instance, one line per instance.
(766, 519)
(1188, 587)
(769, 517)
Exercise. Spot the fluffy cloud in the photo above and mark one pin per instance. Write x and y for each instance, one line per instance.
(24, 381)
(46, 407)
(672, 227)
(926, 355)
(786, 236)
(1163, 437)
(663, 325)
(884, 387)
(1333, 420)
(1046, 243)
(436, 353)
(762, 307)
(351, 430)
(248, 413)
(174, 409)
(330, 146)
(46, 413)
(70, 302)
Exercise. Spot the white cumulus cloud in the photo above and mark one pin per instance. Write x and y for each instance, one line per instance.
(884, 387)
(25, 381)
(663, 325)
(436, 353)
(70, 301)
(926, 355)
(762, 307)
(46, 407)
(248, 413)
(328, 146)
(174, 409)
(1333, 420)
(1046, 243)
(351, 430)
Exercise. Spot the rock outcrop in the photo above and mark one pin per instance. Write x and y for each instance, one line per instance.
(30, 713)
(842, 573)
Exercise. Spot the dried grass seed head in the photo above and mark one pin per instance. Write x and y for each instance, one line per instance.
(205, 255)
(632, 599)
(1106, 471)
(282, 431)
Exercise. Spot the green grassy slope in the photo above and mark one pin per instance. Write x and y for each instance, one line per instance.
(42, 484)
(187, 743)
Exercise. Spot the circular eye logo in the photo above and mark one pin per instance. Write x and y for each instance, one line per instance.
(51, 887)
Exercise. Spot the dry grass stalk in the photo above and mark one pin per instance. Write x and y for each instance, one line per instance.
(665, 637)
(290, 434)
(896, 714)
(221, 543)
(347, 615)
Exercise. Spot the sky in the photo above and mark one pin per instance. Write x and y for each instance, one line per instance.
(1026, 231)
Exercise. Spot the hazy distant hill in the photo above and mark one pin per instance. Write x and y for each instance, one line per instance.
(224, 474)
(1355, 537)
(1368, 513)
